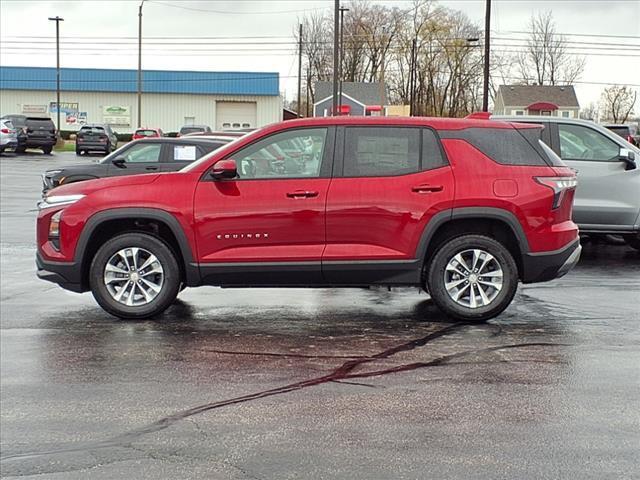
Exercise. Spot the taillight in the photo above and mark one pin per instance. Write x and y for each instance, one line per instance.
(5, 130)
(559, 185)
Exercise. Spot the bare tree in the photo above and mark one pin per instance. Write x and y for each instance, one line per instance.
(590, 112)
(545, 60)
(617, 102)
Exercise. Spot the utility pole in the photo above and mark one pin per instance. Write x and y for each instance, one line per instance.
(140, 64)
(308, 90)
(57, 19)
(342, 10)
(336, 27)
(300, 72)
(412, 79)
(487, 51)
(384, 40)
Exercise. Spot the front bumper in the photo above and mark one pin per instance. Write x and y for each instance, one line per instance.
(545, 266)
(66, 274)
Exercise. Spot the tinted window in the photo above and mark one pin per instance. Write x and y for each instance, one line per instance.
(624, 132)
(39, 123)
(432, 156)
(92, 130)
(584, 143)
(143, 152)
(507, 146)
(146, 133)
(184, 130)
(290, 154)
(381, 151)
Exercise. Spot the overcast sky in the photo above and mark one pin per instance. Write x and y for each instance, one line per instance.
(611, 23)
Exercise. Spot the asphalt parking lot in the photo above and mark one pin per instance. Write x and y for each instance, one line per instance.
(289, 384)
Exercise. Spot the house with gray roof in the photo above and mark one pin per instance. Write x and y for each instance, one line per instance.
(358, 98)
(549, 100)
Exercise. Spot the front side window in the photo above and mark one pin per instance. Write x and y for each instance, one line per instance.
(290, 154)
(143, 153)
(381, 151)
(583, 143)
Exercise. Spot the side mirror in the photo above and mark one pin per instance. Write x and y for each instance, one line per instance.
(628, 157)
(119, 162)
(224, 170)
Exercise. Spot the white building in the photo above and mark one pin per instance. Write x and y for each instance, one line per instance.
(170, 99)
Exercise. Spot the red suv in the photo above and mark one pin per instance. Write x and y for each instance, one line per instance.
(463, 208)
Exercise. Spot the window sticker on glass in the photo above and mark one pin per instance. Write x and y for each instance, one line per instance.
(185, 153)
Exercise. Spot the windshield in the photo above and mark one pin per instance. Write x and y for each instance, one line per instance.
(96, 130)
(146, 133)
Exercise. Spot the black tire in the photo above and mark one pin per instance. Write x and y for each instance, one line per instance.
(633, 241)
(78, 152)
(47, 150)
(168, 291)
(435, 278)
(21, 149)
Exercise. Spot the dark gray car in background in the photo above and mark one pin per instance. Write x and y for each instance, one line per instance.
(146, 155)
(607, 198)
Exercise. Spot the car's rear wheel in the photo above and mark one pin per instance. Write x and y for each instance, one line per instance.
(47, 150)
(134, 275)
(472, 278)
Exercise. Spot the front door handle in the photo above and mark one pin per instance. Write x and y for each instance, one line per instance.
(427, 188)
(302, 194)
(151, 168)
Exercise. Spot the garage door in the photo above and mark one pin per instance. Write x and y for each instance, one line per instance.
(231, 115)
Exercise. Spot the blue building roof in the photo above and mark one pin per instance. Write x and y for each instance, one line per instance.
(153, 81)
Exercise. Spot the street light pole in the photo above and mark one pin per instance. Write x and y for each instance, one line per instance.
(140, 64)
(487, 51)
(342, 10)
(57, 19)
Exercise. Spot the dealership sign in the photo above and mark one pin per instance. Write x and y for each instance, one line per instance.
(34, 108)
(116, 114)
(65, 107)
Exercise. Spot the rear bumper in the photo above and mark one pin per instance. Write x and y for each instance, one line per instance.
(40, 142)
(545, 266)
(92, 146)
(13, 143)
(67, 275)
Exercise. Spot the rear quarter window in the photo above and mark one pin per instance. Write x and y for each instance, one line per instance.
(506, 146)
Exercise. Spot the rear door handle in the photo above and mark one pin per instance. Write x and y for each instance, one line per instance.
(427, 188)
(151, 168)
(302, 194)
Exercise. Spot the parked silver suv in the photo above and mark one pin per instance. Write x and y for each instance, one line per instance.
(607, 199)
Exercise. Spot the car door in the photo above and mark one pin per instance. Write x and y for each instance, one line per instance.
(388, 182)
(140, 157)
(608, 195)
(178, 155)
(267, 226)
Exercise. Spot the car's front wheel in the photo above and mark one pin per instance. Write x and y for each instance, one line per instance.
(472, 278)
(633, 241)
(134, 275)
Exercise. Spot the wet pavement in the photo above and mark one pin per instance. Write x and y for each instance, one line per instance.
(289, 384)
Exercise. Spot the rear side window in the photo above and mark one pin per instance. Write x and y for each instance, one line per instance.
(432, 154)
(506, 146)
(381, 151)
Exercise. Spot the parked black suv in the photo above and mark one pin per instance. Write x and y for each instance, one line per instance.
(146, 155)
(96, 138)
(34, 132)
(203, 129)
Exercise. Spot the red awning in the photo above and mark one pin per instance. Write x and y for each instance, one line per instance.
(374, 108)
(542, 106)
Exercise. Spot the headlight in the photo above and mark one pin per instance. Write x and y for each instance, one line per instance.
(59, 200)
(52, 173)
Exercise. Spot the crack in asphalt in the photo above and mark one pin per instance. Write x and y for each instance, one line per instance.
(341, 374)
(274, 354)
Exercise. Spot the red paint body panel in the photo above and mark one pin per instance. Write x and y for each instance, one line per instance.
(382, 218)
(255, 220)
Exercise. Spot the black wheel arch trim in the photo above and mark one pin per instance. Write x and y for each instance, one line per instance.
(192, 273)
(493, 213)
